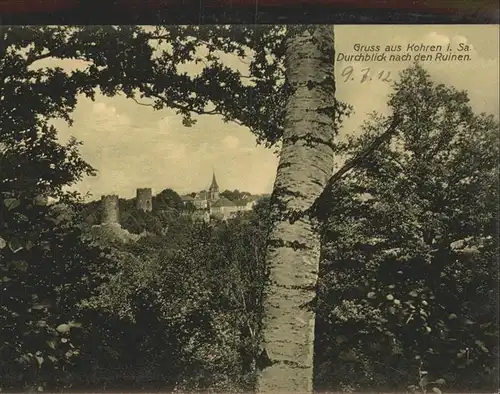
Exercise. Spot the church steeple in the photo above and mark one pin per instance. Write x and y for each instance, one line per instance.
(214, 189)
(214, 185)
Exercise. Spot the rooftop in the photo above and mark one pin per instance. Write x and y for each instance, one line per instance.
(223, 202)
(242, 203)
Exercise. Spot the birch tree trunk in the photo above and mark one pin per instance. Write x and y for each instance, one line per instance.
(293, 251)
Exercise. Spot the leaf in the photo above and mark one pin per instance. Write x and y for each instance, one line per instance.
(480, 345)
(52, 344)
(436, 390)
(73, 324)
(348, 356)
(40, 200)
(39, 361)
(21, 265)
(11, 203)
(440, 381)
(15, 245)
(371, 295)
(63, 328)
(413, 293)
(41, 323)
(3, 243)
(424, 381)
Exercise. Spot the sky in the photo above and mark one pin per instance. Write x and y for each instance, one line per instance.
(133, 146)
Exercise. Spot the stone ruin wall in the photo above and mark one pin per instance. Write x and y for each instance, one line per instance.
(110, 212)
(144, 199)
(110, 209)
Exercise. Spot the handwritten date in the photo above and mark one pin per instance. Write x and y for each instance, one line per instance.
(366, 75)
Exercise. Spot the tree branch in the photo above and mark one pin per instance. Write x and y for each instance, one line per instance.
(174, 105)
(143, 104)
(355, 162)
(51, 53)
(34, 58)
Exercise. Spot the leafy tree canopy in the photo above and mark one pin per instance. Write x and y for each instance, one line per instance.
(147, 63)
(167, 198)
(235, 195)
(409, 249)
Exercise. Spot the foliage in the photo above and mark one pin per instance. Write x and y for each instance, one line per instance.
(235, 195)
(167, 199)
(45, 267)
(410, 274)
(146, 63)
(179, 300)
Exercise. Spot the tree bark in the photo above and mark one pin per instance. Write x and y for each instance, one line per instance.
(293, 250)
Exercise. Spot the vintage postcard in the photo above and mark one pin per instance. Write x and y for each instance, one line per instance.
(249, 208)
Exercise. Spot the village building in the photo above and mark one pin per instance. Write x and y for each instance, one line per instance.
(216, 205)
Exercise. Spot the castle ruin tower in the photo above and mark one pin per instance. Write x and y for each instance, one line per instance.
(144, 199)
(110, 213)
(213, 191)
